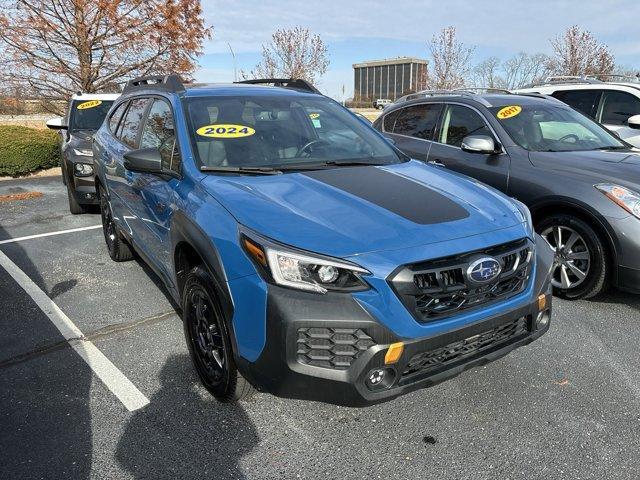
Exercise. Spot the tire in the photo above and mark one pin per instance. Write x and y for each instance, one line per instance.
(208, 339)
(118, 249)
(74, 207)
(572, 257)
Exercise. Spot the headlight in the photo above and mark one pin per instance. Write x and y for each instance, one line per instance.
(526, 215)
(627, 199)
(82, 152)
(82, 169)
(302, 270)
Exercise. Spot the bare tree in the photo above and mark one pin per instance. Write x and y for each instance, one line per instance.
(449, 59)
(57, 47)
(488, 74)
(525, 68)
(578, 52)
(292, 53)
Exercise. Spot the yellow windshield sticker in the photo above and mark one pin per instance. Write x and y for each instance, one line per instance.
(508, 112)
(89, 104)
(225, 131)
(313, 116)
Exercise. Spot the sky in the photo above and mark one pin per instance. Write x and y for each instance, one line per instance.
(358, 30)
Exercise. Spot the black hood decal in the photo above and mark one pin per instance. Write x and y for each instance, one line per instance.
(395, 193)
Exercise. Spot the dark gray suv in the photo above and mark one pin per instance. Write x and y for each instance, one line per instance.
(581, 183)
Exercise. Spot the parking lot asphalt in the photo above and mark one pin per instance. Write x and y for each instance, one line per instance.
(566, 406)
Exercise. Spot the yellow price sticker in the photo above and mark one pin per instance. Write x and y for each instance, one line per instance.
(314, 116)
(225, 131)
(508, 112)
(89, 104)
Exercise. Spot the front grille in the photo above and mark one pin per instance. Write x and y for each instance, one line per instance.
(334, 348)
(440, 288)
(439, 358)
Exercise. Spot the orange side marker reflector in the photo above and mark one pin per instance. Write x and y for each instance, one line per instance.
(394, 353)
(542, 302)
(256, 252)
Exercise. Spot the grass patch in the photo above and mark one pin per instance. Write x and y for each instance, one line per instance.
(25, 150)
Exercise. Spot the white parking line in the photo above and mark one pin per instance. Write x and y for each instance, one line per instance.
(114, 379)
(40, 235)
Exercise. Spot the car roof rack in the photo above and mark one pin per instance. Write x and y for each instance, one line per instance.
(481, 90)
(560, 79)
(616, 77)
(297, 83)
(170, 83)
(461, 92)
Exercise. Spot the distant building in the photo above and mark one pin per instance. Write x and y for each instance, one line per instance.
(390, 78)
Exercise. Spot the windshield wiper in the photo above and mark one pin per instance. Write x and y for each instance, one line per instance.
(613, 147)
(245, 170)
(330, 163)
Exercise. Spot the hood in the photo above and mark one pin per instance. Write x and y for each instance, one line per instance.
(593, 166)
(82, 139)
(352, 210)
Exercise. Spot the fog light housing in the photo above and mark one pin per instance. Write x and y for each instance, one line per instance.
(543, 319)
(380, 378)
(82, 169)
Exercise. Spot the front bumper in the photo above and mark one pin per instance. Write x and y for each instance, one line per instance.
(626, 234)
(286, 368)
(82, 188)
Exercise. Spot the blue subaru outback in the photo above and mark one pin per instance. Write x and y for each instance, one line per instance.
(310, 258)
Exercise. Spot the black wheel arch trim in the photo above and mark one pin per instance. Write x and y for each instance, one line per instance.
(184, 230)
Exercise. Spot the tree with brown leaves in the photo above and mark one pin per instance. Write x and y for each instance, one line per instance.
(57, 47)
(449, 60)
(292, 53)
(578, 52)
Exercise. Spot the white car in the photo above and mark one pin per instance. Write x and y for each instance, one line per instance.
(615, 104)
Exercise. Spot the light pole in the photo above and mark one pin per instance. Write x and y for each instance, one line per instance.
(235, 66)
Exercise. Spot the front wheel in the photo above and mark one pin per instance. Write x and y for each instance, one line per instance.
(209, 341)
(580, 266)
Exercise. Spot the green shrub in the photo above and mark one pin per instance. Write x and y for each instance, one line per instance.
(24, 150)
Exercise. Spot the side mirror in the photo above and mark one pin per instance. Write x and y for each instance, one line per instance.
(390, 140)
(145, 160)
(478, 144)
(634, 122)
(56, 124)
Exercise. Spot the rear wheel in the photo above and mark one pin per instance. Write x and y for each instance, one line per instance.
(209, 341)
(119, 251)
(580, 265)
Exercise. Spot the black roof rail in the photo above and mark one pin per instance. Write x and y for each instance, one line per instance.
(481, 90)
(298, 83)
(170, 83)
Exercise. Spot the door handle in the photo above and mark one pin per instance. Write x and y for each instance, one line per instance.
(436, 163)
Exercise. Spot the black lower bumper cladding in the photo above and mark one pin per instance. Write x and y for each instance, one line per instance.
(341, 327)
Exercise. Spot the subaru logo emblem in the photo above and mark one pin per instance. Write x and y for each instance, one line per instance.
(484, 270)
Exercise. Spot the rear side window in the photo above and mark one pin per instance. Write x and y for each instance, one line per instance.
(116, 116)
(618, 107)
(158, 132)
(459, 122)
(390, 120)
(585, 101)
(418, 121)
(131, 121)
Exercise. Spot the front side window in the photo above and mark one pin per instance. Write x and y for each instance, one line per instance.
(544, 127)
(618, 107)
(585, 101)
(280, 131)
(130, 124)
(459, 122)
(418, 121)
(88, 114)
(158, 132)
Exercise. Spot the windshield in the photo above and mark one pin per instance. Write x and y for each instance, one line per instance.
(280, 131)
(553, 128)
(88, 114)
